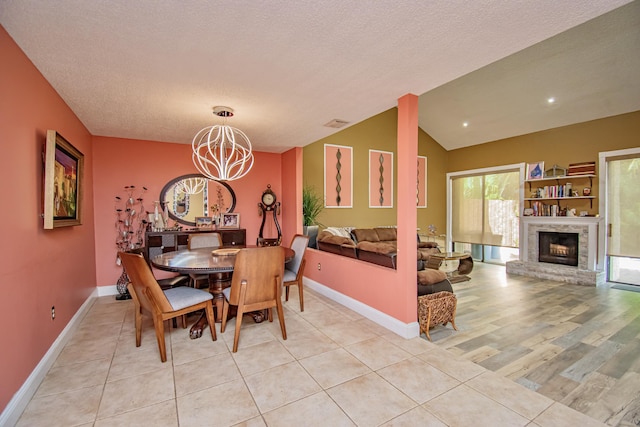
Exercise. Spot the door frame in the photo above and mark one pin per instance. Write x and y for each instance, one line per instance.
(603, 173)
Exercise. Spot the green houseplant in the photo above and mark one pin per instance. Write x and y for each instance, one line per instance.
(312, 205)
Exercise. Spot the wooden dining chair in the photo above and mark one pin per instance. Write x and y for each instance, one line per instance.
(202, 240)
(162, 305)
(256, 285)
(294, 269)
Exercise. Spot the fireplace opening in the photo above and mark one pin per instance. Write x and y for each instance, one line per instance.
(558, 248)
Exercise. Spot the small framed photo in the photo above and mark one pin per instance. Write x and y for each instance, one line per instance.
(535, 171)
(204, 222)
(230, 220)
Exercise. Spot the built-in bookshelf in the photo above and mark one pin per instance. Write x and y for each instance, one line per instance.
(551, 196)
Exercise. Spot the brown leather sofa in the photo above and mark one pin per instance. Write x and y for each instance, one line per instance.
(374, 245)
(379, 246)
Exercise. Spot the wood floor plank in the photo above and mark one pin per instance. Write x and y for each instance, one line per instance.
(591, 361)
(583, 397)
(623, 361)
(559, 363)
(522, 366)
(557, 387)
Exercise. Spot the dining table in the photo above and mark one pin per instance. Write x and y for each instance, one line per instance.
(218, 264)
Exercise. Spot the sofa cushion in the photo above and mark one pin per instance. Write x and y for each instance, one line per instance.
(387, 233)
(339, 231)
(383, 248)
(336, 240)
(430, 276)
(365, 235)
(425, 253)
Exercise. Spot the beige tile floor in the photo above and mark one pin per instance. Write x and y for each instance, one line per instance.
(335, 369)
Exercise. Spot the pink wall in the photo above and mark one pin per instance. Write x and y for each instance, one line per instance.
(291, 194)
(121, 162)
(40, 268)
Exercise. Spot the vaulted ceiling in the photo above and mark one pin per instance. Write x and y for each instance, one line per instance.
(153, 70)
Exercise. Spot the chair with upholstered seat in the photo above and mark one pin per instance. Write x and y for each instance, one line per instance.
(162, 305)
(202, 240)
(295, 268)
(256, 284)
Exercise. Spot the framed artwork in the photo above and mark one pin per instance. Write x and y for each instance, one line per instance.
(204, 222)
(338, 176)
(230, 220)
(535, 171)
(62, 183)
(421, 192)
(380, 179)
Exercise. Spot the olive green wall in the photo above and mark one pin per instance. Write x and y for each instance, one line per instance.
(569, 144)
(564, 145)
(378, 133)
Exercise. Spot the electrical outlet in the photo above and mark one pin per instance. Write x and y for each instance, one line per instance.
(53, 312)
(319, 267)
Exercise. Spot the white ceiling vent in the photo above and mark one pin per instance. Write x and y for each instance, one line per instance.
(336, 123)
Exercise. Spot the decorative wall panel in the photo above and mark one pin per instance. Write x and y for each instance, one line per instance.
(338, 176)
(421, 193)
(380, 179)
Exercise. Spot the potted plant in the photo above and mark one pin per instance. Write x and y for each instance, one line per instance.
(312, 205)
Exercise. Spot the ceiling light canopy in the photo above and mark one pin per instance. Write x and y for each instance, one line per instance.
(222, 152)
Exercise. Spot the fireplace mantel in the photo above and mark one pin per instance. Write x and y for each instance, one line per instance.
(587, 272)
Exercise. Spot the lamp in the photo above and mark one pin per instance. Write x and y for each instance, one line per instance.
(222, 152)
(191, 185)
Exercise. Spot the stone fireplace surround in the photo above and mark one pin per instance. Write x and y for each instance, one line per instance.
(586, 273)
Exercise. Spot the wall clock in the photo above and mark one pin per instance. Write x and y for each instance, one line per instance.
(268, 203)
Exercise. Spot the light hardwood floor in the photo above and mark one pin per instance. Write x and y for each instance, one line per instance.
(577, 345)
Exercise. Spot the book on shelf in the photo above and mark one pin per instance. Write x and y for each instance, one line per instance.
(584, 168)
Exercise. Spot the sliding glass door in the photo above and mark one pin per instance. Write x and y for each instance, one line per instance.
(623, 218)
(484, 214)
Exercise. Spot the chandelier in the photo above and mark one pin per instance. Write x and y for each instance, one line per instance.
(222, 152)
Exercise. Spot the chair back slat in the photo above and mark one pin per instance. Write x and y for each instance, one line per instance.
(204, 240)
(144, 284)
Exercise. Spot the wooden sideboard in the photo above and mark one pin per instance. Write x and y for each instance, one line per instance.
(158, 242)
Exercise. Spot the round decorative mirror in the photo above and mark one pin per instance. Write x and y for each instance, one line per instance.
(214, 198)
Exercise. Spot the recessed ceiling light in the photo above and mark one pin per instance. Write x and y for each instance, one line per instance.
(551, 100)
(465, 124)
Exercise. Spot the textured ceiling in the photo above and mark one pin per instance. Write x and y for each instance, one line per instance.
(154, 69)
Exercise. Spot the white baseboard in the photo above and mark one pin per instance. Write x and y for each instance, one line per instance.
(104, 291)
(11, 414)
(405, 330)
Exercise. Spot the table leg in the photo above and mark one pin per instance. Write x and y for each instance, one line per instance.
(217, 282)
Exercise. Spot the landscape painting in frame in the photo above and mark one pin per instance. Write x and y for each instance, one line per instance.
(421, 192)
(62, 191)
(338, 176)
(380, 179)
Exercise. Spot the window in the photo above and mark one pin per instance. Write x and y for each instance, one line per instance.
(484, 214)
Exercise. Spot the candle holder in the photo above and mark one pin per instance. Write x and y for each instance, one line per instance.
(130, 226)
